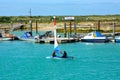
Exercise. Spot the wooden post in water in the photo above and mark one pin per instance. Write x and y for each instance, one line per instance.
(114, 31)
(36, 28)
(64, 29)
(30, 23)
(31, 27)
(74, 28)
(11, 27)
(70, 19)
(70, 27)
(98, 25)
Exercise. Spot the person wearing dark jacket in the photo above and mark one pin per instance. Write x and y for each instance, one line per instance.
(54, 54)
(64, 55)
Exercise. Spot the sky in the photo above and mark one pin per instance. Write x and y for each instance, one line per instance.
(58, 7)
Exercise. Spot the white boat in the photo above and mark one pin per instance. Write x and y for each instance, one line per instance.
(27, 39)
(94, 36)
(5, 36)
(6, 39)
(56, 47)
(117, 39)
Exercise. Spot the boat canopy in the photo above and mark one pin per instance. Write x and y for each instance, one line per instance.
(27, 34)
(98, 34)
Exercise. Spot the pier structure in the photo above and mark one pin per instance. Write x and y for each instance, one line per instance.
(70, 19)
(60, 40)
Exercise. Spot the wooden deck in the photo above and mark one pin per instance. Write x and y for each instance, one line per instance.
(60, 40)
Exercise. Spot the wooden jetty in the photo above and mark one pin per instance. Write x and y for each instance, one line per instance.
(60, 40)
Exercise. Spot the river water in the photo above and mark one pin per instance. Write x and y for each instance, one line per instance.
(21, 60)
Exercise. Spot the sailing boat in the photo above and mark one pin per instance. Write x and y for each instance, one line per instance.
(56, 47)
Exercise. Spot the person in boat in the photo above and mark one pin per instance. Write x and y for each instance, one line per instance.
(54, 54)
(64, 55)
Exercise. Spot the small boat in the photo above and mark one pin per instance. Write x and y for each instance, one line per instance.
(117, 39)
(27, 37)
(5, 39)
(94, 36)
(57, 49)
(6, 36)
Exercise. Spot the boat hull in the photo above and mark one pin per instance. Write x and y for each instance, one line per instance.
(94, 40)
(58, 57)
(117, 40)
(6, 39)
(27, 39)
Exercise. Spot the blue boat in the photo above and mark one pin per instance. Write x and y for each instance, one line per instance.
(27, 37)
(94, 36)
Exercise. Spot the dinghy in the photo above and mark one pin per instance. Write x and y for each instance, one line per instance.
(56, 47)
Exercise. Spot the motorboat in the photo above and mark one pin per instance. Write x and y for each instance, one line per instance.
(6, 36)
(94, 36)
(117, 39)
(27, 37)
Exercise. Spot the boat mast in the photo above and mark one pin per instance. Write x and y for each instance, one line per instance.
(30, 22)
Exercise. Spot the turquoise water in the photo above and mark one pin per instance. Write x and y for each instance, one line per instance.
(21, 60)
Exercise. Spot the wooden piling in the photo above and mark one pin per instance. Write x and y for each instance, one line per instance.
(74, 28)
(64, 29)
(113, 31)
(36, 28)
(31, 27)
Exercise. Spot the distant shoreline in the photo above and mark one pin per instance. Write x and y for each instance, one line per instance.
(45, 23)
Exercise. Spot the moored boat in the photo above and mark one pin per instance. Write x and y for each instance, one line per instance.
(6, 36)
(117, 39)
(27, 37)
(94, 36)
(5, 39)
